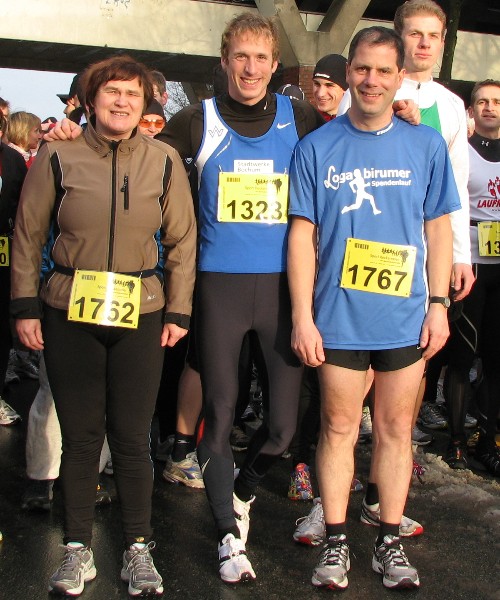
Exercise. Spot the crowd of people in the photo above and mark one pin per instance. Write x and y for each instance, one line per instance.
(346, 255)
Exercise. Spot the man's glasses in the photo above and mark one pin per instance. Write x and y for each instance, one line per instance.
(156, 123)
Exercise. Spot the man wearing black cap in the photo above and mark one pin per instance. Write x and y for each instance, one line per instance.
(329, 84)
(72, 101)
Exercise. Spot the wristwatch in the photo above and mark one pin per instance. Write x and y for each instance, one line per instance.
(444, 300)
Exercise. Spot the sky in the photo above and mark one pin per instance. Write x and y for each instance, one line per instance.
(35, 91)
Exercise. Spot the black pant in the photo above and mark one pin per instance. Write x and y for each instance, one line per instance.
(104, 380)
(5, 335)
(230, 305)
(309, 418)
(475, 333)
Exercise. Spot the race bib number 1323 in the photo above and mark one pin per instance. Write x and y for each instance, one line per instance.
(252, 198)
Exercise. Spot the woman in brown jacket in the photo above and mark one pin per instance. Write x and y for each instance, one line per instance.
(109, 303)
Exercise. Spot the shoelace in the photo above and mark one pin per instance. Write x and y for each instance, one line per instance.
(233, 551)
(141, 562)
(72, 557)
(314, 517)
(394, 555)
(333, 555)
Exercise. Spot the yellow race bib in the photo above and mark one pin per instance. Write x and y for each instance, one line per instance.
(379, 268)
(103, 298)
(4, 251)
(488, 238)
(252, 198)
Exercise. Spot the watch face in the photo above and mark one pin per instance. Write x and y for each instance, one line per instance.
(444, 300)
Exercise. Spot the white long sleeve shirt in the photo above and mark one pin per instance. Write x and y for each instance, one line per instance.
(453, 124)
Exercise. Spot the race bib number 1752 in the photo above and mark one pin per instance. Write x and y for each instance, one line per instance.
(103, 298)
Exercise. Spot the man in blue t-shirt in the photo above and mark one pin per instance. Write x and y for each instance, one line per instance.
(370, 241)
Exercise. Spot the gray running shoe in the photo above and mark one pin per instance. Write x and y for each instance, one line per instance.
(140, 572)
(420, 437)
(77, 568)
(331, 570)
(390, 560)
(370, 515)
(185, 471)
(239, 440)
(310, 529)
(431, 417)
(470, 421)
(38, 495)
(8, 415)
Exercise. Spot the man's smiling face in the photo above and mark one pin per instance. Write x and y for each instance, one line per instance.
(249, 66)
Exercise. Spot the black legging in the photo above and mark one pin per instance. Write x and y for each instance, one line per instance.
(104, 380)
(308, 420)
(230, 305)
(5, 335)
(476, 332)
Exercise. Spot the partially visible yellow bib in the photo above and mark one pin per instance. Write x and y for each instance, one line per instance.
(4, 251)
(488, 238)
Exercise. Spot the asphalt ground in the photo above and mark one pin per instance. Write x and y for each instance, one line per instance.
(457, 556)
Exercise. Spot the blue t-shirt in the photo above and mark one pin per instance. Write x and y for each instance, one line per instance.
(378, 186)
(228, 247)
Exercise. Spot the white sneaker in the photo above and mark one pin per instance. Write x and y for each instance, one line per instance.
(234, 565)
(242, 515)
(311, 528)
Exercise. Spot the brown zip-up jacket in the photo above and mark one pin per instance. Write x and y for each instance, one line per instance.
(99, 205)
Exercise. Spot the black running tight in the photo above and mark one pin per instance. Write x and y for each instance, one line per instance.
(476, 332)
(230, 305)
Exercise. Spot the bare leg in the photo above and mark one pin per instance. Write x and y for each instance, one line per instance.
(342, 393)
(395, 393)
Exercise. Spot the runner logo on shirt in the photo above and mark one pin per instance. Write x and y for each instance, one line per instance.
(359, 180)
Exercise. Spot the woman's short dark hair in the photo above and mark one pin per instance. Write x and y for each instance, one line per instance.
(116, 68)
